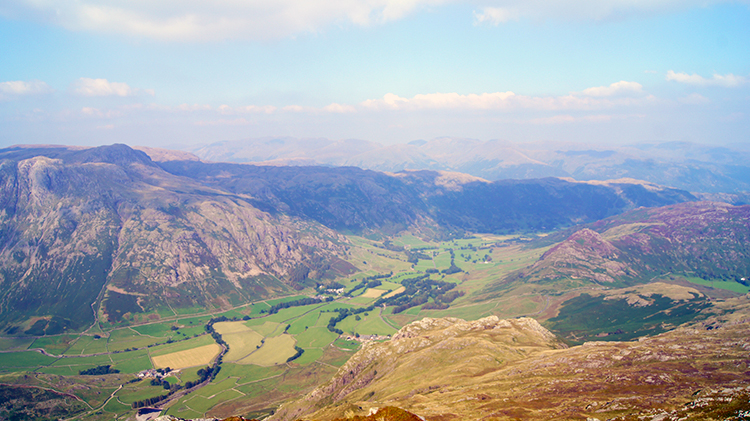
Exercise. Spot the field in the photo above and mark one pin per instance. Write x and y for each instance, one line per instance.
(255, 375)
(729, 286)
(202, 355)
(373, 293)
(275, 350)
(242, 340)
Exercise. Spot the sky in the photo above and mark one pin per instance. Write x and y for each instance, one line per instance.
(175, 73)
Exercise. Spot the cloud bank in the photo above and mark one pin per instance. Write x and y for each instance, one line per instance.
(17, 88)
(211, 20)
(621, 93)
(102, 87)
(727, 81)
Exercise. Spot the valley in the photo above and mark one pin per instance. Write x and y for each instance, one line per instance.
(254, 288)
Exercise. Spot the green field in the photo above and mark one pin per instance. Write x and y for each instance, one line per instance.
(267, 328)
(54, 344)
(242, 339)
(315, 337)
(275, 350)
(727, 285)
(87, 345)
(8, 344)
(255, 368)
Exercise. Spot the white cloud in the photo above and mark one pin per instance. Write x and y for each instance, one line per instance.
(500, 11)
(246, 109)
(179, 20)
(102, 87)
(728, 81)
(565, 118)
(19, 88)
(694, 99)
(589, 99)
(210, 20)
(442, 100)
(193, 107)
(339, 108)
(224, 122)
(494, 16)
(95, 112)
(617, 88)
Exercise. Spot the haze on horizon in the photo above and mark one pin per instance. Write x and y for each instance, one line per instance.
(609, 72)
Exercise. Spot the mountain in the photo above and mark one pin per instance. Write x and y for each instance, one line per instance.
(109, 234)
(446, 369)
(643, 272)
(79, 227)
(701, 239)
(683, 165)
(356, 200)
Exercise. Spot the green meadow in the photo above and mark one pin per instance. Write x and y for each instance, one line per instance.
(258, 371)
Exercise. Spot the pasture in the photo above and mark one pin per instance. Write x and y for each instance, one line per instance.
(275, 350)
(242, 340)
(200, 356)
(254, 369)
(373, 293)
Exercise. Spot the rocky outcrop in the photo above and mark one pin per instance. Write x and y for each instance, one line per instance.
(437, 349)
(512, 369)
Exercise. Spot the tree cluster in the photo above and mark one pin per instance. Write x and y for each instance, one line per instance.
(298, 354)
(369, 282)
(453, 268)
(296, 303)
(420, 290)
(98, 371)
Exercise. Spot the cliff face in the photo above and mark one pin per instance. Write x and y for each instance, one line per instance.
(109, 223)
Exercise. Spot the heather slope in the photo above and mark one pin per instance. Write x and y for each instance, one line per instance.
(513, 369)
(700, 239)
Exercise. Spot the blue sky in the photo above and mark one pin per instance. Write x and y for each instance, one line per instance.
(177, 72)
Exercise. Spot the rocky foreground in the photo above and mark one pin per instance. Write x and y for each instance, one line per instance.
(444, 369)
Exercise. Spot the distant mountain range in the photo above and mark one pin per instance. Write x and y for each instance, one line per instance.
(107, 233)
(437, 203)
(683, 165)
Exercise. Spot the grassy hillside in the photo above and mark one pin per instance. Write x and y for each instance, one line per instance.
(509, 369)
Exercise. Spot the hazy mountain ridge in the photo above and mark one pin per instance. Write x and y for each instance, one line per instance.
(71, 224)
(682, 165)
(359, 200)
